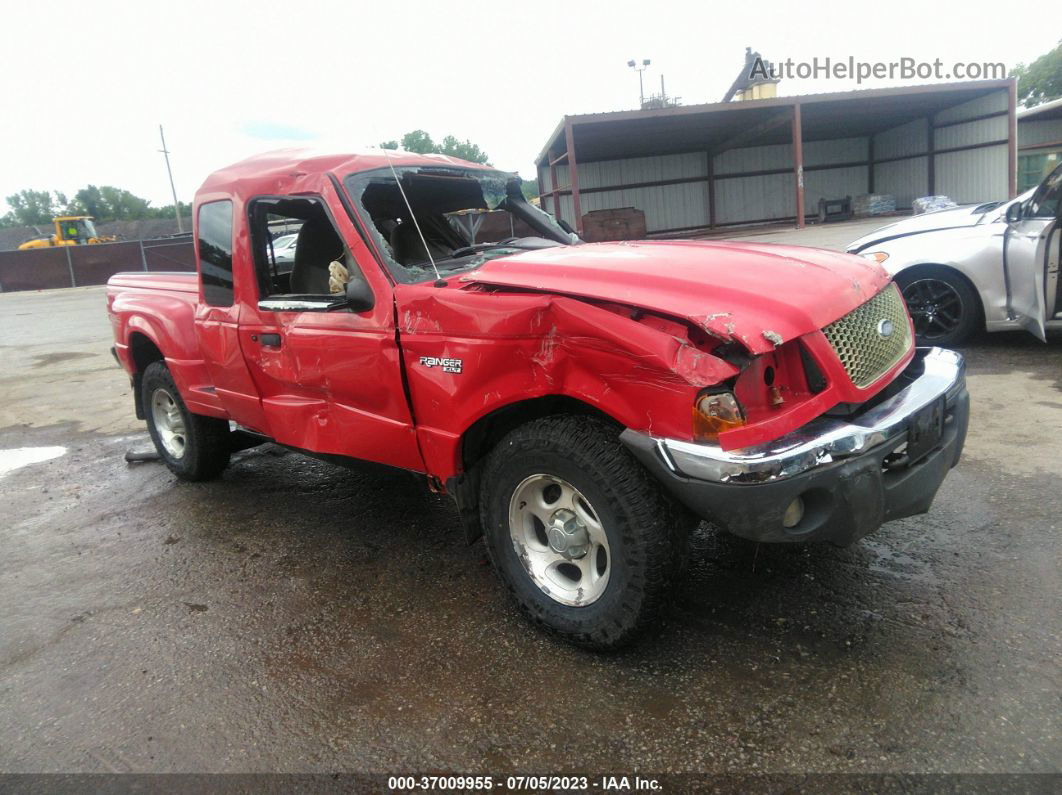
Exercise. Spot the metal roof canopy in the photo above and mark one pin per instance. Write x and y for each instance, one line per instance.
(1045, 112)
(699, 128)
(717, 127)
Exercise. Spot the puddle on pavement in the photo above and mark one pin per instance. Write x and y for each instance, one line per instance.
(10, 460)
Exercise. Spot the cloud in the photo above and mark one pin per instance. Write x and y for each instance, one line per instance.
(272, 131)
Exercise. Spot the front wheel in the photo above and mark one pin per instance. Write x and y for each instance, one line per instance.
(944, 307)
(584, 540)
(194, 447)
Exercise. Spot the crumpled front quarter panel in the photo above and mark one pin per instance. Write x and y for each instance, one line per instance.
(515, 346)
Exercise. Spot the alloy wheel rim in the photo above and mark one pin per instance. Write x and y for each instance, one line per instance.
(169, 422)
(559, 539)
(936, 307)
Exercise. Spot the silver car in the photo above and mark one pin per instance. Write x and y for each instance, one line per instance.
(992, 266)
(284, 248)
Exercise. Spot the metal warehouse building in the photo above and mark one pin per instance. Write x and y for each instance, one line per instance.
(1039, 143)
(698, 167)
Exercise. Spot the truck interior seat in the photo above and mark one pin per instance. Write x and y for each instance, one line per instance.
(316, 246)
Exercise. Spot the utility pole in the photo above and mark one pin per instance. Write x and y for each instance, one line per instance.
(173, 190)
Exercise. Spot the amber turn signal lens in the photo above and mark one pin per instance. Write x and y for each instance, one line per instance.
(714, 414)
(878, 256)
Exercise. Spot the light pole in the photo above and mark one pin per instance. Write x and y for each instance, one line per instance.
(639, 69)
(173, 190)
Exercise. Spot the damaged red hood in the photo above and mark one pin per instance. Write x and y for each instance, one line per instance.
(759, 294)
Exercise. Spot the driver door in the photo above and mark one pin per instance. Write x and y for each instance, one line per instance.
(1031, 257)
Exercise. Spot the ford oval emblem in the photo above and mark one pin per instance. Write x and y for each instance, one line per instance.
(885, 328)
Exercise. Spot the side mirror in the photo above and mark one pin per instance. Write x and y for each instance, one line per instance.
(1014, 213)
(359, 295)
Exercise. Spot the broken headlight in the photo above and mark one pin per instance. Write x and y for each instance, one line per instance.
(715, 413)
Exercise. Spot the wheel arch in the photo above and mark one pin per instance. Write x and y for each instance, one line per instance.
(910, 272)
(143, 351)
(484, 434)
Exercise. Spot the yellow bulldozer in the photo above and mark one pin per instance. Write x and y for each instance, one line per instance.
(70, 230)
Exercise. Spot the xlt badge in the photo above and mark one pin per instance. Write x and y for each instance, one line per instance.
(447, 365)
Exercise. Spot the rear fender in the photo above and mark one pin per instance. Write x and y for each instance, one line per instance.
(169, 324)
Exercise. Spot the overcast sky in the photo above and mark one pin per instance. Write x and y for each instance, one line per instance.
(86, 84)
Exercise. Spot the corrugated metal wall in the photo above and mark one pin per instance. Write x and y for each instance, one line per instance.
(1032, 133)
(905, 179)
(968, 176)
(975, 175)
(754, 198)
(665, 206)
(834, 183)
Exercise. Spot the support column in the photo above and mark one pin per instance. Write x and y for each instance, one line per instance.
(711, 190)
(1012, 139)
(870, 163)
(554, 189)
(573, 176)
(798, 165)
(931, 164)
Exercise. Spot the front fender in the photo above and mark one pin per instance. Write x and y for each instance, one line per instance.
(976, 252)
(468, 354)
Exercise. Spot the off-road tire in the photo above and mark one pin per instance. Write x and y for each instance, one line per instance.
(647, 532)
(206, 443)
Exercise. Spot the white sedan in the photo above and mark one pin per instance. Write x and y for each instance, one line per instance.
(992, 266)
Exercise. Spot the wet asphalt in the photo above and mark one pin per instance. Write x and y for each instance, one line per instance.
(295, 616)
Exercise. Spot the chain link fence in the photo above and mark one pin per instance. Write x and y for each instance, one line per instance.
(80, 266)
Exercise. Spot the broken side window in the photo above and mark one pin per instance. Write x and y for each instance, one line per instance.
(297, 249)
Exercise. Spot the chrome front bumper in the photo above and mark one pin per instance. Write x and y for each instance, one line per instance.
(823, 441)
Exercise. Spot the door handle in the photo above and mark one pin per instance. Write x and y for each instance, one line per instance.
(267, 340)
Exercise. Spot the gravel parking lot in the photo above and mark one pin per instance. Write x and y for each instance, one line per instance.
(295, 616)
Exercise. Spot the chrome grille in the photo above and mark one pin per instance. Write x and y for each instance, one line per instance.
(856, 338)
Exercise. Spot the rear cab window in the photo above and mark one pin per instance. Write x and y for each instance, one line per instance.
(215, 252)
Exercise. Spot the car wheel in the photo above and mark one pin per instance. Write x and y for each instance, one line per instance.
(194, 447)
(944, 306)
(581, 536)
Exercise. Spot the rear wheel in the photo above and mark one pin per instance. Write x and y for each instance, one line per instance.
(194, 447)
(584, 540)
(944, 306)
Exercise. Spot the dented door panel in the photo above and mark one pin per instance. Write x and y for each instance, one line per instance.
(333, 385)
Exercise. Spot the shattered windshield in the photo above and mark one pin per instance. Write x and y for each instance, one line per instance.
(460, 218)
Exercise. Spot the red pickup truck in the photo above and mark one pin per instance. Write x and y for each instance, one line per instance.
(584, 404)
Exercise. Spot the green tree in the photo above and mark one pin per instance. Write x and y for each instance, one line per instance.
(1040, 81)
(166, 211)
(108, 203)
(466, 150)
(420, 142)
(104, 203)
(30, 207)
(416, 141)
(89, 201)
(530, 188)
